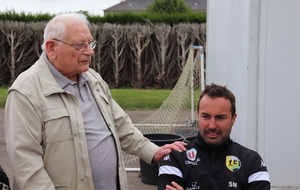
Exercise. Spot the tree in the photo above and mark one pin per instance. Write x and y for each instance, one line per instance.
(139, 36)
(168, 6)
(118, 44)
(163, 65)
(101, 34)
(183, 35)
(19, 36)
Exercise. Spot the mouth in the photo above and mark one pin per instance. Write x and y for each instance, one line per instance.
(85, 61)
(212, 134)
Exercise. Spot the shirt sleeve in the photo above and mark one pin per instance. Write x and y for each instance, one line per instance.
(169, 170)
(259, 176)
(259, 185)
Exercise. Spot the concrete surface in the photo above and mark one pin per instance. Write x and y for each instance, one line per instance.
(134, 179)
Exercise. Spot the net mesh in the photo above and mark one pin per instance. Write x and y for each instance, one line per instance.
(177, 114)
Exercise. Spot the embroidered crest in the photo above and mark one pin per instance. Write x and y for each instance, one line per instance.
(233, 163)
(191, 154)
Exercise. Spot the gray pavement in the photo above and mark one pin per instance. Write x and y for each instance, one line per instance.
(134, 179)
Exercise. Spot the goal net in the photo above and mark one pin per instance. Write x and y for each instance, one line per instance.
(177, 114)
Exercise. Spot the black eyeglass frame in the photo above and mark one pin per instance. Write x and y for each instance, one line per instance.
(79, 47)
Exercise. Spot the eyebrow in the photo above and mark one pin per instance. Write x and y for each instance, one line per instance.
(219, 115)
(203, 113)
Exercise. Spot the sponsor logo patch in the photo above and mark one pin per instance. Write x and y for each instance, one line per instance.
(194, 186)
(191, 154)
(167, 158)
(233, 163)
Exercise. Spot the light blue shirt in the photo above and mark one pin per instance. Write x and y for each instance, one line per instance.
(101, 144)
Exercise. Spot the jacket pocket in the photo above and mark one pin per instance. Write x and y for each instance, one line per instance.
(57, 125)
(62, 185)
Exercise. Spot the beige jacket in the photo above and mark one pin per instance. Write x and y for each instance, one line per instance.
(45, 134)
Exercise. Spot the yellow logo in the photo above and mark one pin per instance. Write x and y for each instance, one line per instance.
(233, 163)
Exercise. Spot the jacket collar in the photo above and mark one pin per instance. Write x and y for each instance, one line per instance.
(219, 149)
(48, 82)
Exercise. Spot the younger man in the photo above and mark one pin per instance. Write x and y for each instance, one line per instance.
(213, 161)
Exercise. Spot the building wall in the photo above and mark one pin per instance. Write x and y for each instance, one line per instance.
(253, 47)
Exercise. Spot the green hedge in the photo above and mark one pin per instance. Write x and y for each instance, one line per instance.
(25, 17)
(117, 18)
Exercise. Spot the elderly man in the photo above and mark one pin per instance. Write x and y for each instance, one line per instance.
(213, 161)
(63, 129)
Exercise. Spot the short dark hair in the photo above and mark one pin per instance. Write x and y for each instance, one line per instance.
(217, 91)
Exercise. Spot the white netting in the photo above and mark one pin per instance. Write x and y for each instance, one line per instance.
(177, 114)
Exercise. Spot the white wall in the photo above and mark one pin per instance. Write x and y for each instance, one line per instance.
(230, 27)
(253, 47)
(280, 68)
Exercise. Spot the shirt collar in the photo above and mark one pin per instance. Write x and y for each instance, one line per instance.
(61, 79)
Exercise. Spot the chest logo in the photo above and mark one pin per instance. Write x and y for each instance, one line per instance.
(233, 163)
(191, 154)
(167, 158)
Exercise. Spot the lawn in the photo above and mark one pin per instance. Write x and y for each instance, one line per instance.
(128, 99)
(138, 99)
(3, 95)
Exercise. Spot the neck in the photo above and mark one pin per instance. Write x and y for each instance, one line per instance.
(74, 78)
(219, 148)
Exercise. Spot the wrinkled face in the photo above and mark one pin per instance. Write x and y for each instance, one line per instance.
(65, 58)
(215, 120)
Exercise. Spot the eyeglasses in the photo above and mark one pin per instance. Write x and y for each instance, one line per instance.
(80, 46)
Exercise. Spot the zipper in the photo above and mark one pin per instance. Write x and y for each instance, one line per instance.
(213, 155)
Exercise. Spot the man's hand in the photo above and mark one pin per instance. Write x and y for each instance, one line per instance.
(166, 149)
(175, 186)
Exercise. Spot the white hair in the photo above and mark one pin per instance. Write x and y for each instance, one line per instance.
(56, 27)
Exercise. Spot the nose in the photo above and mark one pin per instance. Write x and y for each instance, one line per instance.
(212, 124)
(88, 50)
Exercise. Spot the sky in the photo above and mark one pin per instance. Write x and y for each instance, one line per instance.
(94, 7)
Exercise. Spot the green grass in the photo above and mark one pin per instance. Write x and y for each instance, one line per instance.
(128, 99)
(137, 99)
(3, 95)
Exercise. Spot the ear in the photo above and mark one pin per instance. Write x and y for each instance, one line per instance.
(233, 119)
(50, 49)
